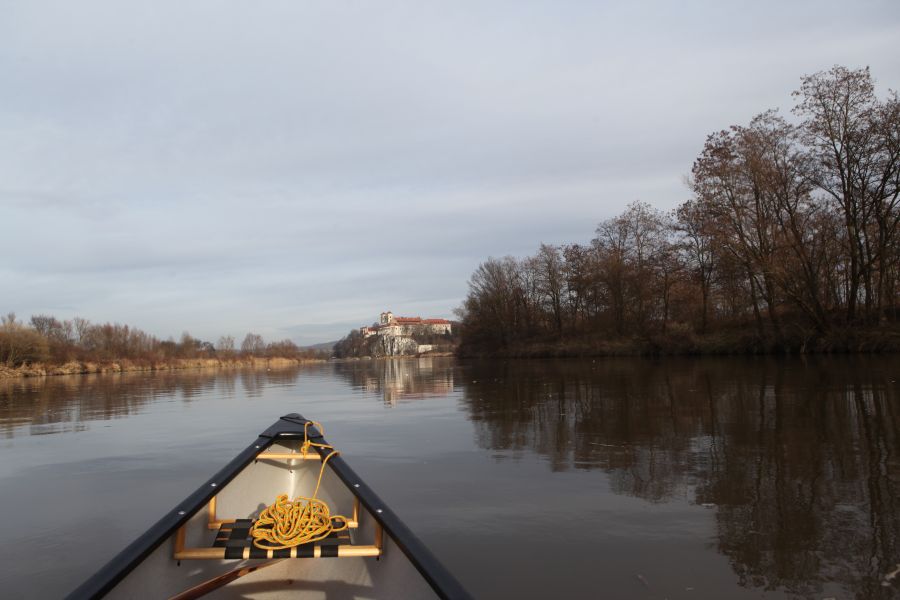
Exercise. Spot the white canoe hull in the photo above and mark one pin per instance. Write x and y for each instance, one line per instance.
(378, 559)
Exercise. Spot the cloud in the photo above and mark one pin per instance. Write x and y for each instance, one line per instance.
(221, 168)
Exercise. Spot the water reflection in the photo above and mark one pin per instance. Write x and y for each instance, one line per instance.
(799, 460)
(400, 380)
(797, 463)
(36, 406)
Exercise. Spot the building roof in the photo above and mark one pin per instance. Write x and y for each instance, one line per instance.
(400, 321)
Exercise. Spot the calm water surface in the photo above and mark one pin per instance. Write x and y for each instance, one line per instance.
(701, 478)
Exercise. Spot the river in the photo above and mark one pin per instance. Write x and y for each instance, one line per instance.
(626, 478)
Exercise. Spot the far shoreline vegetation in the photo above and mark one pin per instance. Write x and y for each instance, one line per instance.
(49, 346)
(790, 243)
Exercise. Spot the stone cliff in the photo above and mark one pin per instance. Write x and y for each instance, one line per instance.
(392, 345)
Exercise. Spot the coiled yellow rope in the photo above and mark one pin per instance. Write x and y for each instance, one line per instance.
(288, 523)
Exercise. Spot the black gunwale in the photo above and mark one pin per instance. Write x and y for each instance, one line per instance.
(287, 427)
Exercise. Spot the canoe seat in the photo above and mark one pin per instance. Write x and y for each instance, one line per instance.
(235, 537)
(233, 541)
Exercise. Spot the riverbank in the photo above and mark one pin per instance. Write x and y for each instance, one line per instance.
(855, 340)
(125, 366)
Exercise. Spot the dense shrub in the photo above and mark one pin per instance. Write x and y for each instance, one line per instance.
(21, 345)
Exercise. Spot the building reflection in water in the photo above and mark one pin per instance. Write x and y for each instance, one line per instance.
(400, 379)
(799, 460)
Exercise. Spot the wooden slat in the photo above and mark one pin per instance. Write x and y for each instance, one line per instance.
(344, 550)
(288, 456)
(351, 523)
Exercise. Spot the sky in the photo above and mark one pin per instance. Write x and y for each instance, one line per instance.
(294, 168)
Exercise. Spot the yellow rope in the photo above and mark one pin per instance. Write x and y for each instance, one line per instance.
(307, 444)
(288, 523)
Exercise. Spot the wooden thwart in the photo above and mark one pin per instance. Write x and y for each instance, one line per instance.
(288, 456)
(343, 551)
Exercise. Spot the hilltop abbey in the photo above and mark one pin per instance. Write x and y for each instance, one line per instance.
(388, 324)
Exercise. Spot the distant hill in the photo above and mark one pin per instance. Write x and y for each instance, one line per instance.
(327, 346)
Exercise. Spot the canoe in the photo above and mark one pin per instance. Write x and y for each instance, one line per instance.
(202, 546)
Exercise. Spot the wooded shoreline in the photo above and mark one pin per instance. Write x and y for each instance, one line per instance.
(883, 339)
(789, 243)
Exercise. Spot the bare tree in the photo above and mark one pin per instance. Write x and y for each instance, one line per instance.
(728, 181)
(496, 302)
(253, 344)
(854, 140)
(225, 344)
(283, 349)
(45, 324)
(552, 281)
(81, 329)
(698, 247)
(579, 273)
(611, 245)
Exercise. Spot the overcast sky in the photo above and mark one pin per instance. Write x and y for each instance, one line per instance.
(294, 168)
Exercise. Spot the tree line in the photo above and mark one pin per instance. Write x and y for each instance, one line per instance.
(791, 229)
(46, 339)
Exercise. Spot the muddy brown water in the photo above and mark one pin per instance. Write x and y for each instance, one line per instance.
(688, 478)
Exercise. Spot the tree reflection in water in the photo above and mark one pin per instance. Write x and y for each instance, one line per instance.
(797, 461)
(68, 402)
(798, 458)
